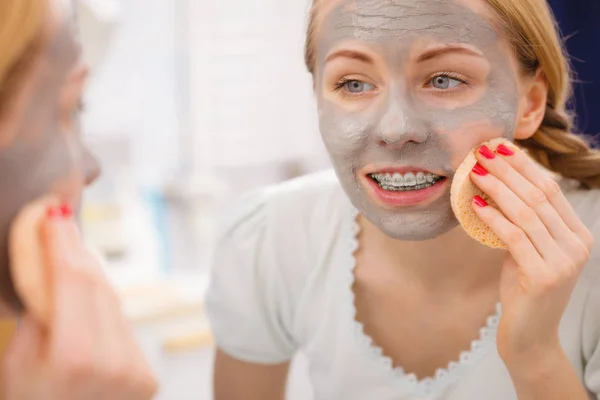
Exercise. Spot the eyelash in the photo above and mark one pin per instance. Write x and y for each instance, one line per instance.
(339, 85)
(342, 82)
(451, 75)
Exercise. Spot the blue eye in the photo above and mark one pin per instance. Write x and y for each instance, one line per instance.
(444, 82)
(354, 86)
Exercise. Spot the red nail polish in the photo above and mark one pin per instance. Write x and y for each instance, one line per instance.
(480, 201)
(479, 170)
(66, 211)
(505, 151)
(487, 153)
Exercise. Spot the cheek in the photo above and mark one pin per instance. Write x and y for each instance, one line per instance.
(341, 127)
(464, 100)
(54, 167)
(69, 187)
(468, 136)
(70, 176)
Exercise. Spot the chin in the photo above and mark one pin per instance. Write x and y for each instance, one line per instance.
(413, 226)
(416, 234)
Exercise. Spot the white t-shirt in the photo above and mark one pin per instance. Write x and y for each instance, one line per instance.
(282, 283)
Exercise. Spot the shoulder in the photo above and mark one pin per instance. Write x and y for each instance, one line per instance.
(293, 214)
(300, 219)
(586, 203)
(268, 245)
(307, 195)
(581, 321)
(283, 206)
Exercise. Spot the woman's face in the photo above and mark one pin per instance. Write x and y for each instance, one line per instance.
(408, 87)
(40, 147)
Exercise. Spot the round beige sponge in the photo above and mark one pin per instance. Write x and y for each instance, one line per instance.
(461, 197)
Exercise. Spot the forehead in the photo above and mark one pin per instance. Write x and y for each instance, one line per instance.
(445, 21)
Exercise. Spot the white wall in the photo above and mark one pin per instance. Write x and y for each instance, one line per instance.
(133, 93)
(252, 97)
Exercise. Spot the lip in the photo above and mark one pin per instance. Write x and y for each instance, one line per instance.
(399, 169)
(389, 199)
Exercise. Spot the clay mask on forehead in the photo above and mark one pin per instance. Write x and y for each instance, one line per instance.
(39, 157)
(400, 128)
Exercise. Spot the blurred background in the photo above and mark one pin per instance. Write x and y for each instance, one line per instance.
(190, 103)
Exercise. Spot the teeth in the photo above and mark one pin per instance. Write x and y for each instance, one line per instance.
(395, 181)
(410, 179)
(398, 181)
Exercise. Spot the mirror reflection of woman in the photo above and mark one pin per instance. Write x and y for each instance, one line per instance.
(81, 346)
(365, 270)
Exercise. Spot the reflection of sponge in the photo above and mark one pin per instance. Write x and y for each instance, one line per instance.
(462, 193)
(28, 266)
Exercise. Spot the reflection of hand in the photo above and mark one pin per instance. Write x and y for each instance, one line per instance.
(548, 246)
(86, 350)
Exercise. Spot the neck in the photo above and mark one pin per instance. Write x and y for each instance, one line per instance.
(450, 262)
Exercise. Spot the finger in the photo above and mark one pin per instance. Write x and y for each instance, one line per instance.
(112, 331)
(534, 174)
(528, 192)
(107, 301)
(127, 364)
(122, 364)
(519, 213)
(73, 323)
(519, 246)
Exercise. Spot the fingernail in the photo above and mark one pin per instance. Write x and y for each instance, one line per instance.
(487, 153)
(480, 201)
(479, 170)
(63, 211)
(66, 211)
(505, 151)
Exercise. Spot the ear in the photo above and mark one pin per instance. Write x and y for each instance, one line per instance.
(533, 106)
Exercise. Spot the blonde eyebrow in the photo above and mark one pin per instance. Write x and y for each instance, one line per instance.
(355, 55)
(439, 51)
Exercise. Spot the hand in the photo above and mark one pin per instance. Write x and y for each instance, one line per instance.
(548, 245)
(87, 351)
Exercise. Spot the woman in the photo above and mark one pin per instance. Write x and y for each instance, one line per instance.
(85, 350)
(367, 272)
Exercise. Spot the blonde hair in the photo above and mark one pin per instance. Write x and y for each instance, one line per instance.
(532, 31)
(20, 26)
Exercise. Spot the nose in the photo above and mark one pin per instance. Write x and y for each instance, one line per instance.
(91, 167)
(401, 125)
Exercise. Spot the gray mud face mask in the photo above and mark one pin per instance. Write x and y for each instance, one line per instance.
(355, 139)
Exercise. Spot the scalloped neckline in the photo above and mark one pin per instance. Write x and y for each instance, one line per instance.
(444, 376)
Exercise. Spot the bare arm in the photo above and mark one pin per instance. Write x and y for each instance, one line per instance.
(239, 380)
